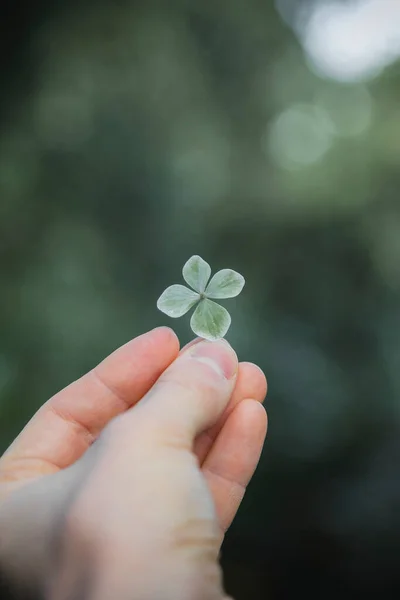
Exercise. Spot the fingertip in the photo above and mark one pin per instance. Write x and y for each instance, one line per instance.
(255, 379)
(254, 412)
(191, 343)
(220, 355)
(161, 343)
(247, 428)
(166, 335)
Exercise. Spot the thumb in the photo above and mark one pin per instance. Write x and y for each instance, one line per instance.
(193, 391)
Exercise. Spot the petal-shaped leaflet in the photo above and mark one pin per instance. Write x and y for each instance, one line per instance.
(176, 300)
(196, 272)
(210, 320)
(225, 284)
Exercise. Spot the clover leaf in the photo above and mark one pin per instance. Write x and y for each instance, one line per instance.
(210, 320)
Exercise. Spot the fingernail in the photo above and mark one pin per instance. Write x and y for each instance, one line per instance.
(190, 344)
(219, 355)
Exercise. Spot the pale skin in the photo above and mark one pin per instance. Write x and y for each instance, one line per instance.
(122, 486)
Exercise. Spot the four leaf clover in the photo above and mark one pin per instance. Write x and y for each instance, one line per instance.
(210, 320)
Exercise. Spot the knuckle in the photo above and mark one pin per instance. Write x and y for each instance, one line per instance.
(126, 431)
(189, 384)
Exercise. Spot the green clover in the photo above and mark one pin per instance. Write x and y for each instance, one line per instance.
(210, 320)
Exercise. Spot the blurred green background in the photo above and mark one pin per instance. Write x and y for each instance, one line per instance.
(264, 136)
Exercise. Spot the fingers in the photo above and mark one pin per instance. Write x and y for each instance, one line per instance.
(233, 458)
(250, 383)
(68, 423)
(192, 393)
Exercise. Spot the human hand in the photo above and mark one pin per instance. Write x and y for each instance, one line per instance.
(138, 512)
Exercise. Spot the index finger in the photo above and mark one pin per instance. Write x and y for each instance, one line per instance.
(68, 423)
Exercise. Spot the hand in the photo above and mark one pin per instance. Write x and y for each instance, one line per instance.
(122, 485)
